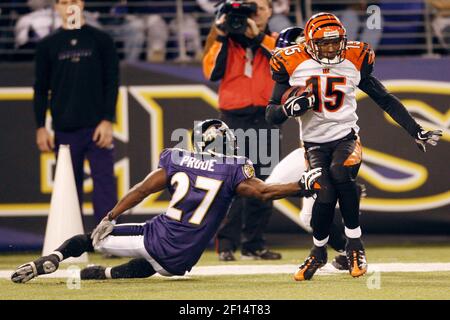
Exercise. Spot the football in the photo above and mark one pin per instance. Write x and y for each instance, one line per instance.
(293, 91)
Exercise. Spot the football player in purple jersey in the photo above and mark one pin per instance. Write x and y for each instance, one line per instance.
(202, 185)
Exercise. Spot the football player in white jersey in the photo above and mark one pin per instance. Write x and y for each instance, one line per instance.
(332, 68)
(293, 165)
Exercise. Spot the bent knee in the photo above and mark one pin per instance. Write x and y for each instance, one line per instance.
(102, 245)
(340, 173)
(327, 193)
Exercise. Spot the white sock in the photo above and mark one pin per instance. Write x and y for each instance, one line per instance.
(353, 233)
(108, 273)
(320, 243)
(59, 255)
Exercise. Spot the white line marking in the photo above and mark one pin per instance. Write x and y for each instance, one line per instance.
(281, 269)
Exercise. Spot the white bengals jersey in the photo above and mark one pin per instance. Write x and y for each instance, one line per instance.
(334, 87)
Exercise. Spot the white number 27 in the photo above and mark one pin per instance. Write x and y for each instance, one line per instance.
(181, 179)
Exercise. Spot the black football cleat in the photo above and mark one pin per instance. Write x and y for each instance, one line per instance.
(93, 273)
(340, 262)
(30, 270)
(316, 260)
(357, 262)
(263, 254)
(226, 256)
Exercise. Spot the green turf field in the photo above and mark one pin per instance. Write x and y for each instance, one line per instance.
(393, 285)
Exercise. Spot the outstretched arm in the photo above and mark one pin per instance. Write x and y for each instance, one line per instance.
(256, 188)
(154, 182)
(389, 103)
(392, 105)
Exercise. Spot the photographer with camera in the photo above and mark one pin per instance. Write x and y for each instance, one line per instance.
(237, 52)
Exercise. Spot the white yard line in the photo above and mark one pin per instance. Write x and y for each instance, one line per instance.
(277, 269)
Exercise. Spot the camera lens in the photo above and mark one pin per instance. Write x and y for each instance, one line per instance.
(236, 23)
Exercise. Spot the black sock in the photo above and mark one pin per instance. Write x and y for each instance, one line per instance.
(349, 203)
(76, 246)
(136, 268)
(322, 217)
(337, 239)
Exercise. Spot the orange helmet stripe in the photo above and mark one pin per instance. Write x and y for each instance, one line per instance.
(319, 21)
(315, 18)
(324, 17)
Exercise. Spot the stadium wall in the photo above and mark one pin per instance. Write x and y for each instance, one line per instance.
(408, 191)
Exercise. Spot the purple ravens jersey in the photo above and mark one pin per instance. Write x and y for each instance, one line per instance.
(202, 187)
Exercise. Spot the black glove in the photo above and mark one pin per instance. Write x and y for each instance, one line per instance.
(297, 106)
(431, 137)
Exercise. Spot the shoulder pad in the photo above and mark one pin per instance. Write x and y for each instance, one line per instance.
(359, 53)
(288, 58)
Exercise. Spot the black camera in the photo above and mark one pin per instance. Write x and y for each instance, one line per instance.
(236, 14)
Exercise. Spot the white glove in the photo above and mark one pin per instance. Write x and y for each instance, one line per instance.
(104, 228)
(297, 106)
(309, 178)
(430, 137)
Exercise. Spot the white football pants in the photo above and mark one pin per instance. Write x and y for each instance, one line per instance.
(290, 169)
(131, 245)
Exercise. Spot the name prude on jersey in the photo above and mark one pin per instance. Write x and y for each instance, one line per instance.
(196, 163)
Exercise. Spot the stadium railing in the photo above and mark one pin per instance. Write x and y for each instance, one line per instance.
(407, 27)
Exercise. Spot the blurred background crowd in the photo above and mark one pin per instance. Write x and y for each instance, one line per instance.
(176, 30)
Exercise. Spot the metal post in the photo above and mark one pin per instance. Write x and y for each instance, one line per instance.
(182, 57)
(298, 13)
(308, 9)
(428, 31)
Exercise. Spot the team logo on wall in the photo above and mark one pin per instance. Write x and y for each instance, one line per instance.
(398, 175)
(147, 118)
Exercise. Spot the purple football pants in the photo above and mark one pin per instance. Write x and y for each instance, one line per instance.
(101, 162)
